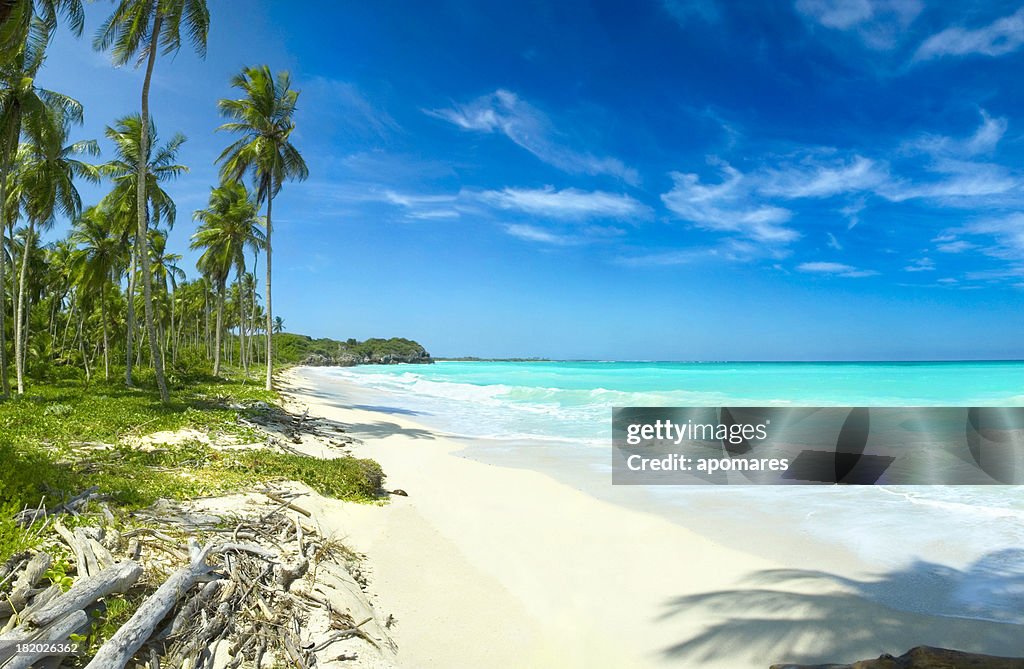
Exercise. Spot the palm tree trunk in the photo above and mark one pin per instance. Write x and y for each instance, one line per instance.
(5, 168)
(270, 311)
(174, 332)
(241, 321)
(217, 335)
(130, 331)
(106, 340)
(19, 344)
(147, 284)
(81, 343)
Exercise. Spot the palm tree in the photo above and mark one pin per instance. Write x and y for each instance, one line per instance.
(228, 226)
(126, 135)
(24, 107)
(165, 269)
(17, 18)
(99, 257)
(278, 325)
(136, 30)
(264, 119)
(47, 182)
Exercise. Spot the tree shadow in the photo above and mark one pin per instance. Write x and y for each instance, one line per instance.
(381, 429)
(807, 617)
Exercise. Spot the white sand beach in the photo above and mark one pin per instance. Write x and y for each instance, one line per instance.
(488, 566)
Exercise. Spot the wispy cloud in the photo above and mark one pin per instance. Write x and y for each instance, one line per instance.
(532, 233)
(814, 179)
(569, 203)
(878, 23)
(727, 207)
(1002, 36)
(504, 112)
(833, 243)
(834, 269)
(985, 139)
(347, 108)
(921, 265)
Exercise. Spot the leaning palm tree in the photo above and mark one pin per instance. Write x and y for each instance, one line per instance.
(136, 30)
(47, 176)
(126, 135)
(228, 227)
(24, 109)
(264, 118)
(99, 256)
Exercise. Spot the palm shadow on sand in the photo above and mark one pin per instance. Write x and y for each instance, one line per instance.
(834, 619)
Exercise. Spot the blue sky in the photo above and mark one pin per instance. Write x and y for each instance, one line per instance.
(657, 179)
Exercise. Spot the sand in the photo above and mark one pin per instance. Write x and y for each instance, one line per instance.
(490, 566)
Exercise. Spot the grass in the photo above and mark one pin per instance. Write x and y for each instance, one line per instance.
(46, 439)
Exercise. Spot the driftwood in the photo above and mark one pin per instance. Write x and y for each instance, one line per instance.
(60, 631)
(16, 601)
(922, 657)
(116, 578)
(28, 516)
(121, 647)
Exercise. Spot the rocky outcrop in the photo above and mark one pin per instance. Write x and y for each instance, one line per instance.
(348, 359)
(922, 657)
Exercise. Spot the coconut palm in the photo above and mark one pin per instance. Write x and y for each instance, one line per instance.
(25, 108)
(17, 18)
(278, 325)
(137, 30)
(100, 256)
(46, 177)
(126, 136)
(264, 118)
(166, 270)
(228, 227)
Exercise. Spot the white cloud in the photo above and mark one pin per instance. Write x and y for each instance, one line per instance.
(878, 23)
(503, 111)
(958, 246)
(727, 207)
(569, 203)
(964, 181)
(823, 180)
(834, 269)
(532, 233)
(921, 265)
(1008, 233)
(833, 243)
(998, 38)
(984, 140)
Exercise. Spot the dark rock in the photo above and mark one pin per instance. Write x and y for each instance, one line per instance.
(922, 657)
(348, 359)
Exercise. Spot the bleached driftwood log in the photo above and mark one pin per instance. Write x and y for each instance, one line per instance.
(922, 657)
(60, 631)
(34, 571)
(116, 578)
(121, 647)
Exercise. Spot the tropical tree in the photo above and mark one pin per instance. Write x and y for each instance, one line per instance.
(166, 270)
(278, 325)
(100, 257)
(136, 30)
(46, 177)
(18, 16)
(264, 119)
(126, 135)
(24, 108)
(228, 227)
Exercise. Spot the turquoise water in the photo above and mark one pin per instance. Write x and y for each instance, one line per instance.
(572, 400)
(512, 412)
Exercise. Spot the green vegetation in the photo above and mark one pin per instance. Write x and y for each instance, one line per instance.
(64, 437)
(294, 348)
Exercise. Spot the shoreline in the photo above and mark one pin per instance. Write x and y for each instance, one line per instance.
(485, 565)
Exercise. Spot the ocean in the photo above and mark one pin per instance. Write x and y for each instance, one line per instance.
(971, 538)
